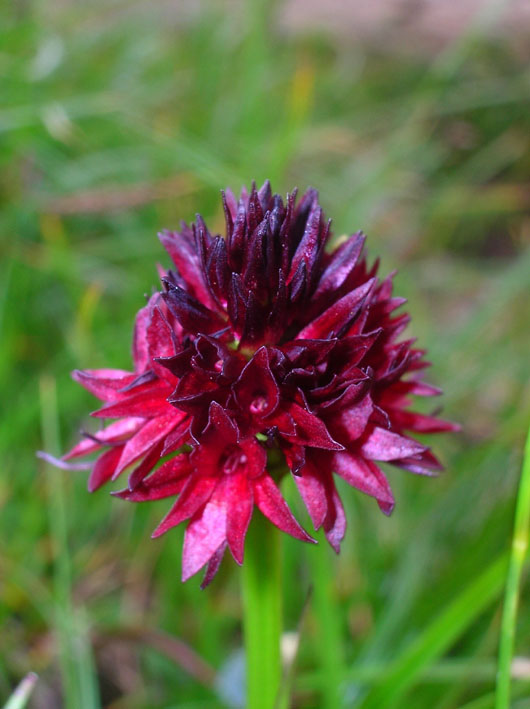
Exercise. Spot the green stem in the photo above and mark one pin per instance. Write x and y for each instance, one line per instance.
(262, 622)
(517, 557)
(330, 645)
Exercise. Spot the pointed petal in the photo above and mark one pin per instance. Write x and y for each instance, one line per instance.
(422, 423)
(104, 468)
(310, 429)
(141, 471)
(146, 438)
(213, 566)
(365, 476)
(185, 257)
(147, 404)
(271, 503)
(308, 246)
(338, 316)
(237, 491)
(424, 464)
(256, 389)
(205, 534)
(190, 313)
(103, 383)
(115, 432)
(350, 423)
(313, 492)
(385, 445)
(161, 340)
(198, 490)
(139, 346)
(335, 522)
(341, 263)
(166, 481)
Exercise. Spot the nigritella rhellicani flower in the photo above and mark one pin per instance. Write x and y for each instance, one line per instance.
(265, 352)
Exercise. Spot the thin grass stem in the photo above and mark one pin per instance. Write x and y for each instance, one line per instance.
(511, 596)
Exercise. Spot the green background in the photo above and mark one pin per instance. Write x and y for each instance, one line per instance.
(118, 119)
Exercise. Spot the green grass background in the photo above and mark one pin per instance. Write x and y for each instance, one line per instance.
(118, 119)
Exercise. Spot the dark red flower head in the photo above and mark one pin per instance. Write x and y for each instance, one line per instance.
(265, 350)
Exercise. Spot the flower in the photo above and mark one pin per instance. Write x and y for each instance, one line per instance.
(263, 352)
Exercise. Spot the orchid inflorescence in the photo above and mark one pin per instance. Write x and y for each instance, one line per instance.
(264, 352)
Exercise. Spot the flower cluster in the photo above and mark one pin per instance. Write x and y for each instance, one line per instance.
(263, 352)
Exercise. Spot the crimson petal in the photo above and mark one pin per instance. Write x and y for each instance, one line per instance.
(167, 481)
(336, 317)
(271, 503)
(205, 534)
(146, 438)
(385, 445)
(213, 566)
(103, 383)
(310, 429)
(237, 490)
(335, 522)
(195, 494)
(365, 476)
(114, 433)
(104, 468)
(313, 492)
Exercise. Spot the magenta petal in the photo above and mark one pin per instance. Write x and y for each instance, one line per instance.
(349, 423)
(161, 340)
(341, 264)
(146, 438)
(310, 241)
(142, 493)
(365, 476)
(313, 492)
(310, 429)
(385, 445)
(186, 259)
(422, 423)
(237, 491)
(221, 423)
(256, 389)
(189, 312)
(256, 457)
(115, 432)
(166, 481)
(335, 522)
(336, 317)
(103, 383)
(220, 434)
(104, 468)
(142, 470)
(213, 566)
(147, 404)
(139, 349)
(424, 464)
(269, 500)
(198, 490)
(205, 534)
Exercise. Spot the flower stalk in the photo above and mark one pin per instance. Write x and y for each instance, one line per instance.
(262, 613)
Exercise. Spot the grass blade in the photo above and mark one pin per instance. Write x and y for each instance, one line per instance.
(438, 636)
(517, 557)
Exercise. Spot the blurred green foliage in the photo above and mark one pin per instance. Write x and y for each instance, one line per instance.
(118, 119)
